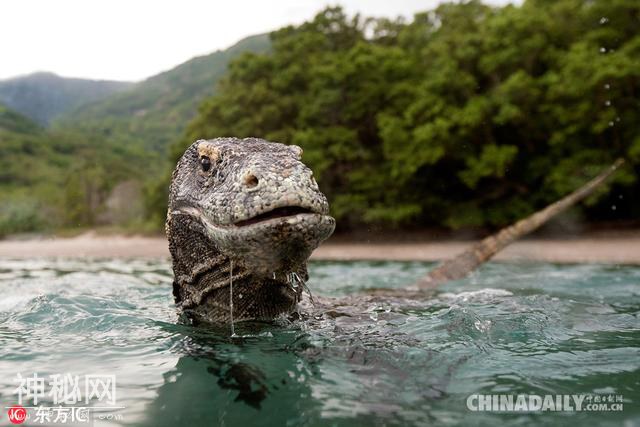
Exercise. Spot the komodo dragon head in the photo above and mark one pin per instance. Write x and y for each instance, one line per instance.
(246, 210)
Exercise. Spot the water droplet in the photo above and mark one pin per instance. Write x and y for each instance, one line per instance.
(620, 197)
(607, 86)
(603, 20)
(617, 119)
(607, 103)
(610, 124)
(613, 207)
(603, 50)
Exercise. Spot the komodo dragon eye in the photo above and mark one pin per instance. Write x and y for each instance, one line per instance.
(205, 162)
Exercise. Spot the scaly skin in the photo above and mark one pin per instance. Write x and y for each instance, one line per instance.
(247, 209)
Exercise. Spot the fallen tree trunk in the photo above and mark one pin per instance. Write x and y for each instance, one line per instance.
(461, 265)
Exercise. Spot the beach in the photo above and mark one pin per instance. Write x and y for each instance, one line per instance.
(610, 248)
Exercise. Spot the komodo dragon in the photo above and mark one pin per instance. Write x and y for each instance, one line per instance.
(244, 216)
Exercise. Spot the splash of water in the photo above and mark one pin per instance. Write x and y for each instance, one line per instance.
(295, 280)
(308, 291)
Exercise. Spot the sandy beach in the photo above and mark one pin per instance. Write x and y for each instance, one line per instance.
(620, 248)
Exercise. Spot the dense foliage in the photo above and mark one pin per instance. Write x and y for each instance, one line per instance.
(468, 115)
(56, 179)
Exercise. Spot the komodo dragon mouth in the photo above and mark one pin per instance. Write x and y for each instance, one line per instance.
(277, 213)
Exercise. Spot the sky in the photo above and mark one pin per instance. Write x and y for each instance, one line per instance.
(134, 39)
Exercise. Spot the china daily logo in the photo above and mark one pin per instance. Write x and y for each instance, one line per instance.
(544, 403)
(63, 399)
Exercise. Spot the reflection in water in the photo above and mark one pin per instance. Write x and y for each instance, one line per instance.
(213, 382)
(360, 360)
(231, 380)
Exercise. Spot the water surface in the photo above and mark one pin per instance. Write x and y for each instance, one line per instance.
(509, 329)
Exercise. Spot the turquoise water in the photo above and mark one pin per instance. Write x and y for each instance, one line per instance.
(510, 329)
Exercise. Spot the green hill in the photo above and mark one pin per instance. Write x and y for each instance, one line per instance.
(51, 179)
(20, 139)
(30, 170)
(95, 164)
(45, 96)
(153, 113)
(11, 121)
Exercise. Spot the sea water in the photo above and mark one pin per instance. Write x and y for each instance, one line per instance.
(512, 329)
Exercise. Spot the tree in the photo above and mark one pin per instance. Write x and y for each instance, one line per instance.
(468, 115)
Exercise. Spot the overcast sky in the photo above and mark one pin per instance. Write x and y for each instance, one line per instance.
(135, 39)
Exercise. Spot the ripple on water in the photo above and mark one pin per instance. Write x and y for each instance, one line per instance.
(510, 328)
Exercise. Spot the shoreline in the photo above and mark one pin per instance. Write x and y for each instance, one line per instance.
(614, 249)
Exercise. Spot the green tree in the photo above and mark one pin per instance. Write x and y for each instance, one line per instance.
(468, 115)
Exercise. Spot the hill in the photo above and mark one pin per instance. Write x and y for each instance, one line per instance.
(44, 96)
(29, 171)
(153, 113)
(12, 121)
(95, 163)
(51, 179)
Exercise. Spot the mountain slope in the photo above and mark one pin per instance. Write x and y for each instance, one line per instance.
(50, 178)
(153, 113)
(11, 121)
(30, 171)
(44, 96)
(71, 173)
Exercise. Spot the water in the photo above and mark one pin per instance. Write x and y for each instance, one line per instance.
(510, 329)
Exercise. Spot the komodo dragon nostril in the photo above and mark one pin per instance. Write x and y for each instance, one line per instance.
(250, 180)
